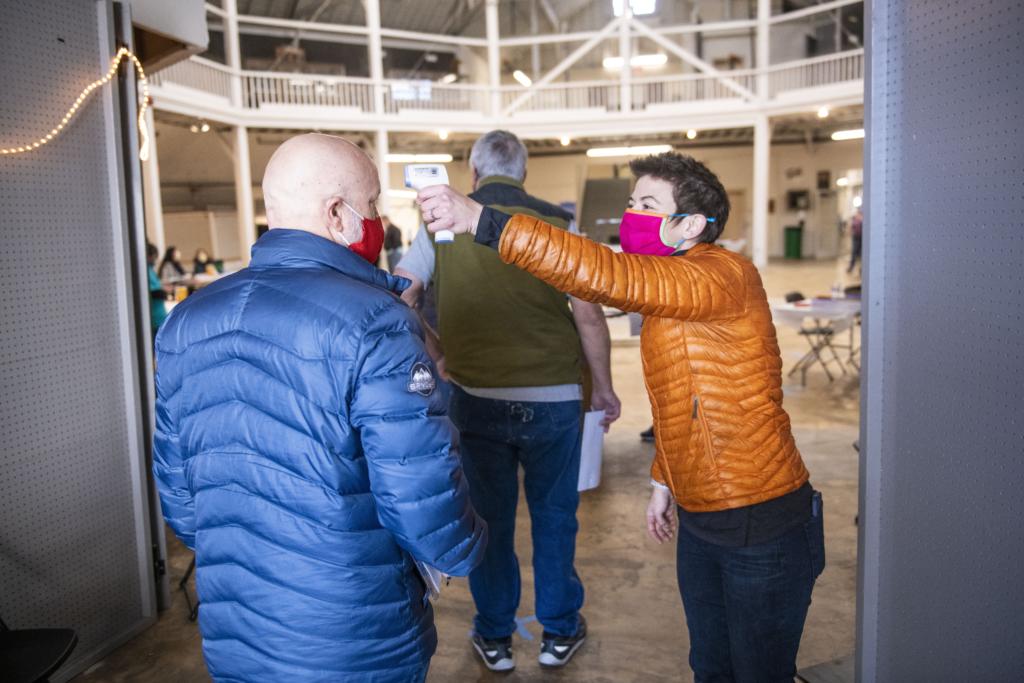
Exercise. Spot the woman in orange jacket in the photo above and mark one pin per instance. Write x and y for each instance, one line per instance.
(751, 541)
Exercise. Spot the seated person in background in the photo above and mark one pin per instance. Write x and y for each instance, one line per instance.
(302, 445)
(170, 269)
(202, 264)
(157, 293)
(751, 541)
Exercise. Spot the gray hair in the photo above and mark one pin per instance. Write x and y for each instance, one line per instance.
(499, 153)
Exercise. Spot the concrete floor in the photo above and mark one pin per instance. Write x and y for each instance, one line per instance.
(637, 629)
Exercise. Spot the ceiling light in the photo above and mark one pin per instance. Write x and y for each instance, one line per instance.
(858, 201)
(419, 158)
(823, 113)
(628, 151)
(522, 78)
(442, 134)
(194, 128)
(842, 182)
(639, 7)
(449, 79)
(651, 61)
(205, 128)
(854, 134)
(691, 134)
(565, 140)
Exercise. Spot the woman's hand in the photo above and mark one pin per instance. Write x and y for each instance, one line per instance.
(661, 517)
(446, 209)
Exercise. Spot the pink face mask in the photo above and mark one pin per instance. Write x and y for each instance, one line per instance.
(643, 232)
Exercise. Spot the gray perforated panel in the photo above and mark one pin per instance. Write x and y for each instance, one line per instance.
(942, 551)
(72, 535)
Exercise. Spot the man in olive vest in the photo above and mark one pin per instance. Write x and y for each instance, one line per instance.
(515, 349)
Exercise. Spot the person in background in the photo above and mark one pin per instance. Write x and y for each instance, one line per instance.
(202, 264)
(856, 238)
(157, 293)
(393, 246)
(515, 348)
(726, 471)
(170, 269)
(302, 446)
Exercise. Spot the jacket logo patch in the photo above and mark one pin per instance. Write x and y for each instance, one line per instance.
(421, 380)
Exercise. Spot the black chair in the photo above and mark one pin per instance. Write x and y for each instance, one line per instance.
(793, 297)
(32, 655)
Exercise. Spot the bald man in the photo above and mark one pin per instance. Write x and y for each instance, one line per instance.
(302, 446)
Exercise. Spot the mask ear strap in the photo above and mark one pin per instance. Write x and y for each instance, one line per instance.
(664, 225)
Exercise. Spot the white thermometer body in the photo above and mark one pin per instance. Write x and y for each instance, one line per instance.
(419, 176)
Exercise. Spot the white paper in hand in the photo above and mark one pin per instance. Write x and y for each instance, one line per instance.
(592, 451)
(432, 578)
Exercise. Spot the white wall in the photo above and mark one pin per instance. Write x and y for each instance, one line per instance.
(214, 231)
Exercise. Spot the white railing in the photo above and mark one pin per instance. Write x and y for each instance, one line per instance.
(815, 72)
(427, 95)
(263, 88)
(199, 74)
(692, 88)
(575, 95)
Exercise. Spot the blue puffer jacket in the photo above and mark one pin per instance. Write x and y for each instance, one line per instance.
(303, 451)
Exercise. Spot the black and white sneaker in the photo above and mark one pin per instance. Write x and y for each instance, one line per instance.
(496, 654)
(558, 650)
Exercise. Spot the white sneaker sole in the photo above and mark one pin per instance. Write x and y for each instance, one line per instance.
(506, 664)
(549, 660)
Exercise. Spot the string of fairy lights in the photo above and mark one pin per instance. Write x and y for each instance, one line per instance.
(122, 54)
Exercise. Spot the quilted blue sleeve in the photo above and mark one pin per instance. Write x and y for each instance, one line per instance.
(410, 446)
(168, 466)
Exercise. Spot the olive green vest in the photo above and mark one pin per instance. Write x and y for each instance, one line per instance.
(499, 326)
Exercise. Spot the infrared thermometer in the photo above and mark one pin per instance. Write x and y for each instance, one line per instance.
(418, 176)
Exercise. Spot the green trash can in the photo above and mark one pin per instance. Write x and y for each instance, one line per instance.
(794, 241)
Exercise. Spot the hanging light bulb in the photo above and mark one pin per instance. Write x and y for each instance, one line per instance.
(691, 134)
(442, 134)
(565, 140)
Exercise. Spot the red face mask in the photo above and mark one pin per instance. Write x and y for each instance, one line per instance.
(373, 238)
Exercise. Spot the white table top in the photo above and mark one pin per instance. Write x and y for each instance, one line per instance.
(832, 310)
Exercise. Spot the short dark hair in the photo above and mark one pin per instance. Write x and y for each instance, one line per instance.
(695, 188)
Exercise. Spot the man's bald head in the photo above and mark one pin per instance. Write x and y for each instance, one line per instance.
(310, 176)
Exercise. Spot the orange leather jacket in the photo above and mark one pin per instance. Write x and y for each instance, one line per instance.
(710, 356)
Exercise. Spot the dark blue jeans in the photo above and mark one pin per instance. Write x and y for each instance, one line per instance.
(745, 607)
(498, 437)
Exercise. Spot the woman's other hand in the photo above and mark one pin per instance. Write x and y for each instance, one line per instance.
(661, 515)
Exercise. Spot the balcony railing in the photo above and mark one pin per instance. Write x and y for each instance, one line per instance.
(272, 91)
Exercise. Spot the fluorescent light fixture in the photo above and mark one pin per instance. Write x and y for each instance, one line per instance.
(204, 128)
(691, 134)
(842, 182)
(442, 134)
(419, 158)
(522, 78)
(565, 140)
(823, 113)
(639, 7)
(402, 194)
(628, 151)
(854, 134)
(651, 61)
(449, 79)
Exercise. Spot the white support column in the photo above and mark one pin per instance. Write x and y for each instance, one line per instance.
(243, 193)
(763, 45)
(535, 48)
(232, 50)
(152, 201)
(493, 57)
(383, 172)
(762, 149)
(626, 52)
(376, 54)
